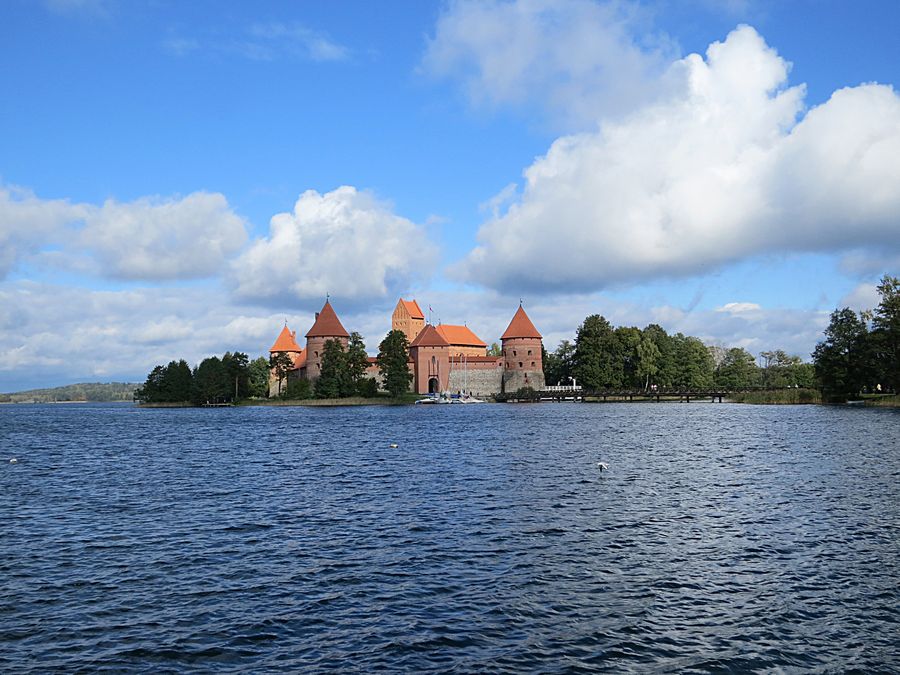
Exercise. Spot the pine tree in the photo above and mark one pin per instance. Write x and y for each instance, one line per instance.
(392, 363)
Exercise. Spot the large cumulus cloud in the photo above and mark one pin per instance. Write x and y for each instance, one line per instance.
(729, 168)
(344, 242)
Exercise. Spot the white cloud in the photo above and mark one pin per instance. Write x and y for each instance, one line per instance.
(718, 173)
(739, 307)
(262, 42)
(344, 242)
(28, 224)
(861, 298)
(577, 58)
(156, 238)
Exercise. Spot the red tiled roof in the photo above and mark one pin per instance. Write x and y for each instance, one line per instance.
(429, 337)
(413, 308)
(520, 327)
(285, 342)
(459, 335)
(327, 324)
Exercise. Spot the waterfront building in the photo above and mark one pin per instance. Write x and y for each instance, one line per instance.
(446, 357)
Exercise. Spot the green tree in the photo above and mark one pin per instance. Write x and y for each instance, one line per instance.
(648, 357)
(494, 350)
(237, 365)
(694, 363)
(178, 382)
(357, 364)
(392, 363)
(298, 389)
(282, 364)
(559, 365)
(596, 359)
(334, 378)
(666, 366)
(627, 342)
(258, 377)
(211, 382)
(886, 334)
(738, 370)
(840, 359)
(152, 390)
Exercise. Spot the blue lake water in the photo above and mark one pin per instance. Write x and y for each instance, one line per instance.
(723, 538)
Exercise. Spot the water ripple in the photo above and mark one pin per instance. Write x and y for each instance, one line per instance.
(724, 538)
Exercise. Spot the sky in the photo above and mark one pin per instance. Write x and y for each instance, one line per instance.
(177, 179)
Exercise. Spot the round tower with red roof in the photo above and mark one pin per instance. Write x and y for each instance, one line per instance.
(522, 344)
(326, 327)
(285, 343)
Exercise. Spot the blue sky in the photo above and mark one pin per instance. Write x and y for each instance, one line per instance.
(177, 179)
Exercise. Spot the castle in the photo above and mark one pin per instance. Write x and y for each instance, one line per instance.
(442, 358)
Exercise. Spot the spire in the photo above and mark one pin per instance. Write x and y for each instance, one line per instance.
(327, 324)
(285, 341)
(520, 326)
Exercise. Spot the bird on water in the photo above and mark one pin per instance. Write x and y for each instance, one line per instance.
(603, 466)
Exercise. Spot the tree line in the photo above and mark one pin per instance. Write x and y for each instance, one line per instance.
(215, 380)
(234, 377)
(604, 357)
(861, 351)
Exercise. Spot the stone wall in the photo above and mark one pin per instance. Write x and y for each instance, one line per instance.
(480, 380)
(513, 380)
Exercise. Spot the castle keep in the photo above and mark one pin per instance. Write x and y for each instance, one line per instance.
(442, 358)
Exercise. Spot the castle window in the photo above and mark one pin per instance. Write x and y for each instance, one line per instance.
(532, 364)
(514, 352)
(316, 353)
(520, 364)
(529, 354)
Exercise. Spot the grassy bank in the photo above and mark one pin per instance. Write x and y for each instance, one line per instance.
(778, 397)
(882, 400)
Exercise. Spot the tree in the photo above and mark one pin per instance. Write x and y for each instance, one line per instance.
(258, 377)
(392, 363)
(886, 333)
(494, 350)
(282, 364)
(237, 365)
(151, 392)
(211, 381)
(694, 364)
(334, 379)
(840, 359)
(627, 342)
(178, 382)
(559, 365)
(647, 360)
(357, 364)
(738, 370)
(596, 362)
(666, 369)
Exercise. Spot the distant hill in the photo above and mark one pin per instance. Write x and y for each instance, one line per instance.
(96, 392)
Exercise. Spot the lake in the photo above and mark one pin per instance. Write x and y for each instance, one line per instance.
(722, 538)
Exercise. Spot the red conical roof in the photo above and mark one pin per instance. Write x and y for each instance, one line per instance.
(520, 326)
(327, 324)
(285, 342)
(412, 307)
(429, 337)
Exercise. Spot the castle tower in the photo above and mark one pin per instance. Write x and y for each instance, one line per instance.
(521, 348)
(326, 327)
(285, 343)
(430, 354)
(409, 318)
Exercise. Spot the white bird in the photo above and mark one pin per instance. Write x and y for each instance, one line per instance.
(13, 461)
(394, 445)
(603, 466)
